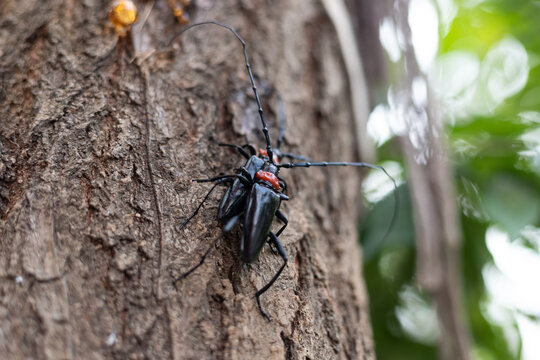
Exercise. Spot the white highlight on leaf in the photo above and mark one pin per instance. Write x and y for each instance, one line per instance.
(388, 35)
(505, 69)
(424, 24)
(419, 92)
(531, 140)
(378, 125)
(513, 282)
(417, 317)
(530, 333)
(447, 12)
(453, 77)
(467, 86)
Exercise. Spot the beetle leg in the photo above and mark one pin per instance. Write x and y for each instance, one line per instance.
(241, 149)
(246, 174)
(282, 218)
(187, 273)
(284, 256)
(282, 184)
(271, 244)
(242, 178)
(295, 157)
(251, 149)
(238, 148)
(220, 181)
(230, 223)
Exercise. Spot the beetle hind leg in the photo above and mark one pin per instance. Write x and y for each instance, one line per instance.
(275, 241)
(281, 216)
(187, 273)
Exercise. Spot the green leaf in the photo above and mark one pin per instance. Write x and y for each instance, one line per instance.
(511, 203)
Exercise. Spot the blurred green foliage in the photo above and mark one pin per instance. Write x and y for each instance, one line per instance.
(496, 179)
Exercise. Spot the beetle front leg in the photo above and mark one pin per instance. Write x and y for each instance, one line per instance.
(281, 250)
(219, 181)
(242, 178)
(241, 149)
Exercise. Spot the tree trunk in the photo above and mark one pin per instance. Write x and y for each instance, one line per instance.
(100, 138)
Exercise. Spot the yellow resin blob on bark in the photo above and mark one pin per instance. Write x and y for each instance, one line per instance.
(123, 13)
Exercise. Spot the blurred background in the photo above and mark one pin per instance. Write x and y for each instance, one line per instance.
(466, 72)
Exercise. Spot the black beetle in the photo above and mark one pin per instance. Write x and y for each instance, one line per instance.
(256, 191)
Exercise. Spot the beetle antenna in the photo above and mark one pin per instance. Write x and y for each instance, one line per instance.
(356, 164)
(248, 66)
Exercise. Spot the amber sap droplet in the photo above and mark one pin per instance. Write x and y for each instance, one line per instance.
(123, 14)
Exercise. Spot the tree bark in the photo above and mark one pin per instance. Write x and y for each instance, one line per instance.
(99, 139)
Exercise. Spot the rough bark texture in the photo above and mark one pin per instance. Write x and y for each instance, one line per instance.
(97, 152)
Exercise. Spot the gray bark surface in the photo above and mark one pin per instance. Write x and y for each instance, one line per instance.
(99, 141)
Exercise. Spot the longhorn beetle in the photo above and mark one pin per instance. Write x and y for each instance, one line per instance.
(255, 192)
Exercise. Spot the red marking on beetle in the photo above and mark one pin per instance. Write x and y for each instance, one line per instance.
(269, 178)
(263, 152)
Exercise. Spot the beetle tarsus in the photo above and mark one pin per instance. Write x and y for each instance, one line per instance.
(281, 250)
(265, 315)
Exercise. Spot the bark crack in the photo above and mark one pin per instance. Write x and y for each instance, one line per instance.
(169, 331)
(157, 288)
(62, 278)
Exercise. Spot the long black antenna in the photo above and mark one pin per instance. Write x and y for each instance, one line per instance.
(253, 86)
(356, 164)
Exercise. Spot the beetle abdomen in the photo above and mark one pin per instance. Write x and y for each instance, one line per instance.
(262, 204)
(233, 201)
